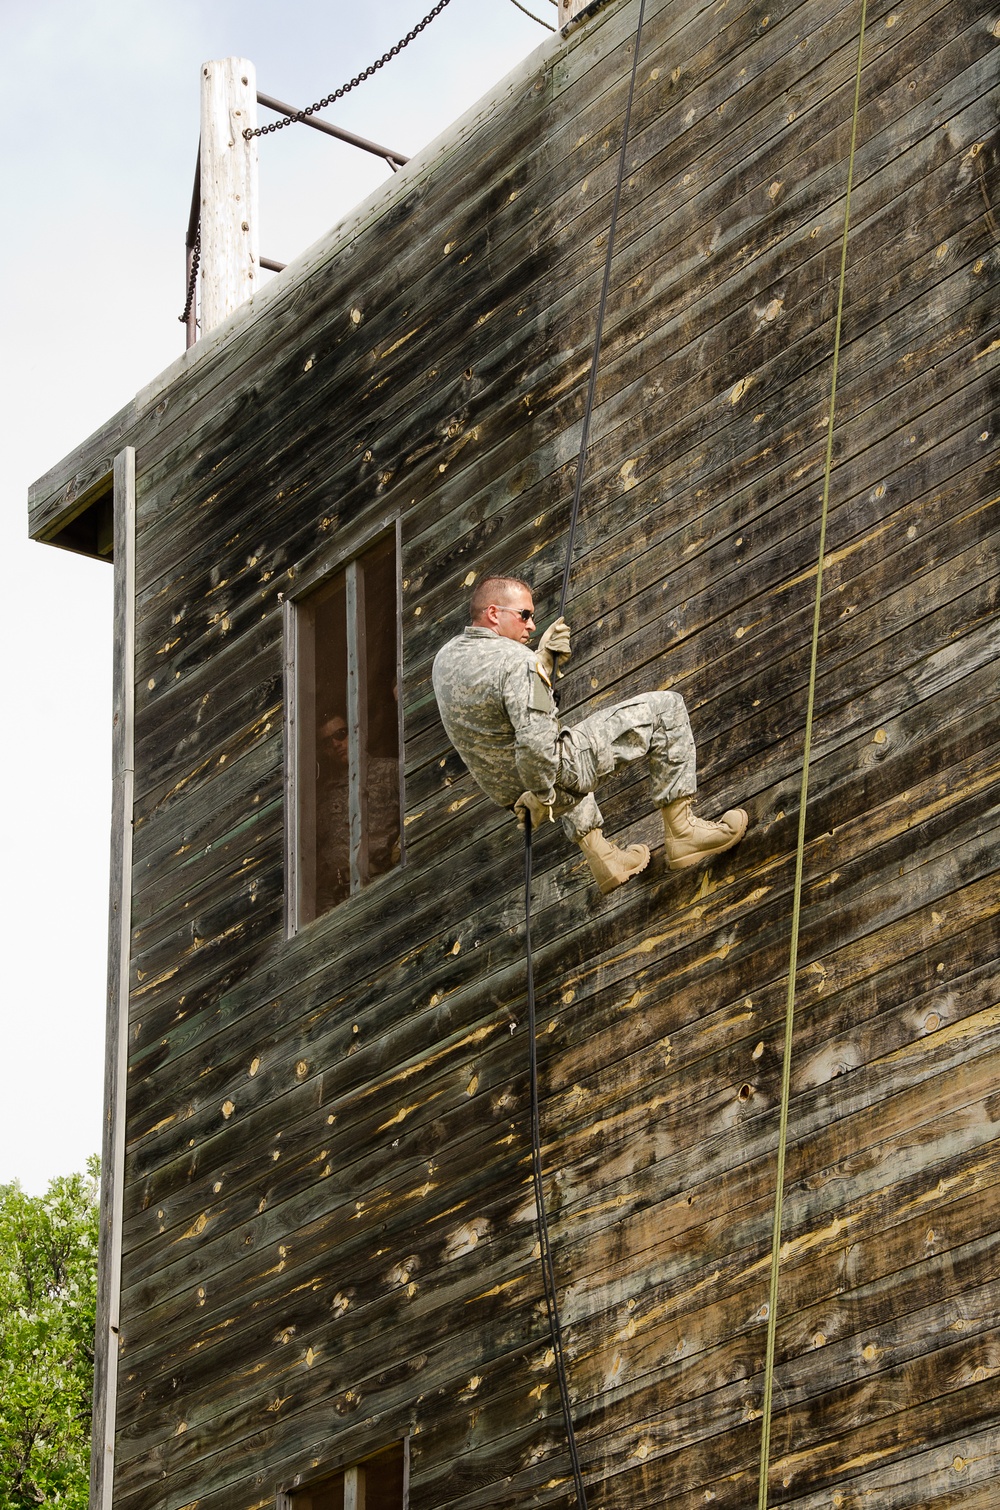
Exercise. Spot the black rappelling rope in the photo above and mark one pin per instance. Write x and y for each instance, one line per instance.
(544, 1241)
(592, 385)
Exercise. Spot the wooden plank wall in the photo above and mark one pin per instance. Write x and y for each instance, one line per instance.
(328, 1220)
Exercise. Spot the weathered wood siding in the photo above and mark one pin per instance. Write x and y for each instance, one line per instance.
(328, 1219)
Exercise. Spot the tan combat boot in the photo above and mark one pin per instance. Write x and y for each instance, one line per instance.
(689, 839)
(610, 866)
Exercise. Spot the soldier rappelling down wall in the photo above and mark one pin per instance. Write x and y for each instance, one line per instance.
(497, 706)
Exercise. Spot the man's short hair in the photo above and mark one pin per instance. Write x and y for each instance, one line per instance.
(488, 589)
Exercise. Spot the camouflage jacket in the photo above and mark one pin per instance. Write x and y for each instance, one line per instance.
(497, 708)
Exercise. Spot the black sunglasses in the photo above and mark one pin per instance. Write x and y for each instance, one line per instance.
(526, 615)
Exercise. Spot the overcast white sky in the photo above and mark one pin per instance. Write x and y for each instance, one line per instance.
(100, 131)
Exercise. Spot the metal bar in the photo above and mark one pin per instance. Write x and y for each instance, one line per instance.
(280, 108)
(272, 267)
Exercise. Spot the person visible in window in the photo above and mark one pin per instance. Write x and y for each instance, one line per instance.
(333, 827)
(383, 784)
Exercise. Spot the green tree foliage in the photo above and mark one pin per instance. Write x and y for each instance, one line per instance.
(48, 1293)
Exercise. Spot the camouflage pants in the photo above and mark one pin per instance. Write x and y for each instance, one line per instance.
(655, 724)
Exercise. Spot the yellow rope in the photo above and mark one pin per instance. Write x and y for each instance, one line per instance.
(772, 1304)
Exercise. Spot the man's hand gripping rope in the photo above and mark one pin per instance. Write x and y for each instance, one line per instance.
(555, 642)
(535, 807)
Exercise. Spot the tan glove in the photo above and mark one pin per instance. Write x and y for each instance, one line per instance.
(554, 643)
(528, 802)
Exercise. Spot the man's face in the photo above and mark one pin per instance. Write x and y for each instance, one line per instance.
(508, 619)
(333, 741)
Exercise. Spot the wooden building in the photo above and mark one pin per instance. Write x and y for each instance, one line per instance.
(320, 1244)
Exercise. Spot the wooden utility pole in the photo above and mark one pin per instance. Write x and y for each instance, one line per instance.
(229, 223)
(569, 8)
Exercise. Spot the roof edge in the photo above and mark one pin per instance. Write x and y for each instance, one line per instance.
(62, 492)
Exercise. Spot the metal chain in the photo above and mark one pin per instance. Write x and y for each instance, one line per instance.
(338, 94)
(192, 276)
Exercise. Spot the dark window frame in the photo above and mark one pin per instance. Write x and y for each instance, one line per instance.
(300, 710)
(303, 1484)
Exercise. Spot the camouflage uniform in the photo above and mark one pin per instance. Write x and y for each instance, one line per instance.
(497, 708)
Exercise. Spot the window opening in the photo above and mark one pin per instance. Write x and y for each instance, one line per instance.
(379, 1482)
(346, 739)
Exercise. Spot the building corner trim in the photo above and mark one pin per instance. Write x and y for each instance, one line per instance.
(116, 1041)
